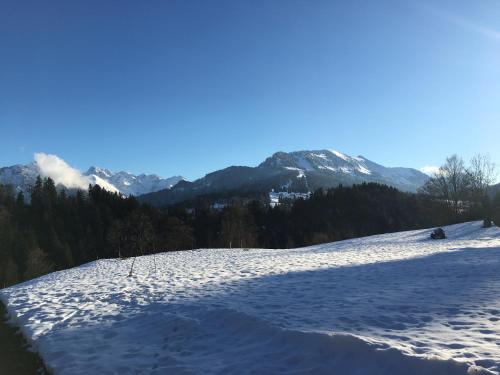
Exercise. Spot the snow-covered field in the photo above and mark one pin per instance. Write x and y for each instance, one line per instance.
(390, 304)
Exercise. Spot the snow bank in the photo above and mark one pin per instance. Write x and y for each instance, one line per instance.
(388, 304)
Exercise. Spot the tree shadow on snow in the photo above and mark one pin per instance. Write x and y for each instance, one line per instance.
(237, 329)
(392, 295)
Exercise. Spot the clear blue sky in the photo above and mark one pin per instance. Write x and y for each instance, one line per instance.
(187, 87)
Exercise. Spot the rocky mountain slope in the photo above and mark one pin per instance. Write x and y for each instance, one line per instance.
(299, 171)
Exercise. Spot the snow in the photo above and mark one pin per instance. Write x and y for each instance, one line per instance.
(363, 169)
(304, 163)
(333, 169)
(22, 177)
(321, 156)
(300, 174)
(332, 164)
(276, 196)
(96, 180)
(129, 184)
(100, 172)
(340, 155)
(387, 304)
(346, 170)
(219, 206)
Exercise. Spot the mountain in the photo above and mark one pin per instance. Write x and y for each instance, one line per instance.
(299, 171)
(130, 184)
(21, 177)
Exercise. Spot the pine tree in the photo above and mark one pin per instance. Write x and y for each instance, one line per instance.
(8, 272)
(37, 195)
(37, 264)
(20, 199)
(117, 238)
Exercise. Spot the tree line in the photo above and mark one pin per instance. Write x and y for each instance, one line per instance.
(56, 230)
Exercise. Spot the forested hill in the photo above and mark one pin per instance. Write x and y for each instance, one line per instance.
(57, 231)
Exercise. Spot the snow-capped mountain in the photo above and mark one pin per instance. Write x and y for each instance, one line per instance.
(22, 177)
(130, 184)
(350, 169)
(300, 171)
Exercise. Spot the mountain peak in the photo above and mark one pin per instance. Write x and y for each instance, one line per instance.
(101, 172)
(298, 171)
(129, 184)
(24, 176)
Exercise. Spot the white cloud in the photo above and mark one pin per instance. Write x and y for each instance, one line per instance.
(430, 170)
(57, 169)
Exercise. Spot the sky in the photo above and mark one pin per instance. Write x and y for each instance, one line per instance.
(188, 87)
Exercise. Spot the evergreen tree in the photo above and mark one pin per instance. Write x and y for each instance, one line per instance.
(60, 230)
(237, 228)
(176, 235)
(37, 264)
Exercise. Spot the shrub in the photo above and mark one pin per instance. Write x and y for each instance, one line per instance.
(438, 234)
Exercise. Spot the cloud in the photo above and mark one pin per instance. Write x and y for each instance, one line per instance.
(462, 22)
(430, 170)
(57, 169)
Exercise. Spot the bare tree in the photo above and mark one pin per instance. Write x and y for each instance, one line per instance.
(481, 174)
(451, 183)
(457, 180)
(464, 187)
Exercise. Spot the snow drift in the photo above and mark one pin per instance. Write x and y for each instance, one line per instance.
(388, 304)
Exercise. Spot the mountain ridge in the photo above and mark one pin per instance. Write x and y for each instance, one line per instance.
(129, 184)
(300, 171)
(23, 176)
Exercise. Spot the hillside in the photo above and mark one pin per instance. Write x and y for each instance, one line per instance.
(387, 304)
(300, 171)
